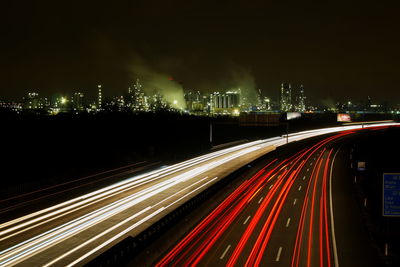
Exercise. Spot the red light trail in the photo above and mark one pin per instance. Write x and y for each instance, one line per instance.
(280, 176)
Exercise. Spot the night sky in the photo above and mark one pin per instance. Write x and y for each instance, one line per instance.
(337, 49)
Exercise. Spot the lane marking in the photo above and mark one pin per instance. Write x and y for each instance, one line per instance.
(304, 177)
(278, 256)
(260, 200)
(311, 163)
(226, 250)
(247, 219)
(294, 202)
(271, 186)
(288, 222)
(308, 169)
(248, 201)
(331, 211)
(299, 187)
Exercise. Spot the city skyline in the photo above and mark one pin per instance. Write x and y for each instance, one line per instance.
(140, 97)
(339, 50)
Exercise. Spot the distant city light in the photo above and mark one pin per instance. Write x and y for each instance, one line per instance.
(231, 101)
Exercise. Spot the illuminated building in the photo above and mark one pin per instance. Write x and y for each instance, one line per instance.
(195, 102)
(301, 103)
(286, 97)
(157, 102)
(137, 98)
(227, 103)
(267, 103)
(33, 102)
(206, 104)
(260, 104)
(77, 101)
(12, 106)
(117, 103)
(189, 98)
(61, 104)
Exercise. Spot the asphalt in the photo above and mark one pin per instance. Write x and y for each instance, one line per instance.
(353, 239)
(301, 228)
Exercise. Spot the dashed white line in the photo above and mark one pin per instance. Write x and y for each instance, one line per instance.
(278, 256)
(294, 202)
(304, 177)
(247, 219)
(226, 250)
(260, 200)
(288, 222)
(308, 169)
(299, 187)
(271, 186)
(311, 163)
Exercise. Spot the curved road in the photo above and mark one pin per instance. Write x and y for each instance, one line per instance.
(285, 215)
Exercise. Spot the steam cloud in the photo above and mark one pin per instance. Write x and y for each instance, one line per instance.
(155, 81)
(231, 77)
(243, 79)
(328, 102)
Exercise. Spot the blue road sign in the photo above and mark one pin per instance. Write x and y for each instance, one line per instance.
(391, 194)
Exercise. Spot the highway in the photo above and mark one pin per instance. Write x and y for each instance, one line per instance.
(281, 216)
(75, 231)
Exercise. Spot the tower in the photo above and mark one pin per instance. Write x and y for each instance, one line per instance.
(286, 97)
(138, 97)
(99, 97)
(302, 100)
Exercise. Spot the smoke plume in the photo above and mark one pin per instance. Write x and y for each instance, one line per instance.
(243, 79)
(156, 81)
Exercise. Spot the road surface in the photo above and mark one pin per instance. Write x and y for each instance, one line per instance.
(284, 215)
(76, 231)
